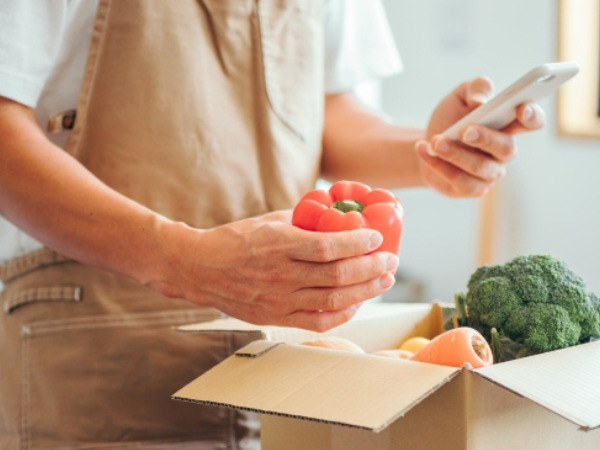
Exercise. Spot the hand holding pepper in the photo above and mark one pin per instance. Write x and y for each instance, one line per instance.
(264, 270)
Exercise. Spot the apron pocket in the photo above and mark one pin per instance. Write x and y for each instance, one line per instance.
(291, 36)
(108, 380)
(229, 23)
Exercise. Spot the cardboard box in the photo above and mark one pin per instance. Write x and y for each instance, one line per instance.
(314, 398)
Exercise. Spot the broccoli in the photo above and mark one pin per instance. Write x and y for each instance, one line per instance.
(531, 304)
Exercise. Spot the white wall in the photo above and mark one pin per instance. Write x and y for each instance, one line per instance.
(550, 199)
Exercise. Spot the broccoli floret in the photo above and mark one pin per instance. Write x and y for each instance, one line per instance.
(540, 318)
(534, 302)
(490, 302)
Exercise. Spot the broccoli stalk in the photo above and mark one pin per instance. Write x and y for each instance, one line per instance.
(496, 345)
(461, 309)
(505, 349)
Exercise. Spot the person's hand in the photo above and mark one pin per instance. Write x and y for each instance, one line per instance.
(471, 167)
(266, 271)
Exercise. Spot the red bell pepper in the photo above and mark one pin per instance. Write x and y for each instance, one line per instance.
(349, 205)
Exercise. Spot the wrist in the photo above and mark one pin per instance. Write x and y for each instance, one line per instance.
(161, 268)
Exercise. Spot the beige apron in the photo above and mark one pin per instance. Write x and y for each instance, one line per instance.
(206, 111)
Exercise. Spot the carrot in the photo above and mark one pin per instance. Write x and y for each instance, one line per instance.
(456, 347)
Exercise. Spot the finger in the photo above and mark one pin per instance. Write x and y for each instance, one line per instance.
(450, 180)
(337, 299)
(345, 272)
(320, 320)
(430, 176)
(472, 161)
(336, 285)
(530, 116)
(330, 246)
(478, 91)
(498, 144)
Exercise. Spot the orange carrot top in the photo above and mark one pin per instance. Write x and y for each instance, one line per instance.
(456, 347)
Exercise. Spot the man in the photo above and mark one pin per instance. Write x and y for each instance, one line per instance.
(198, 124)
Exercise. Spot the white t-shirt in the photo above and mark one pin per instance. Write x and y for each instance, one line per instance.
(44, 45)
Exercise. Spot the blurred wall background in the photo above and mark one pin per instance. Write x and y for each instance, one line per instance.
(549, 201)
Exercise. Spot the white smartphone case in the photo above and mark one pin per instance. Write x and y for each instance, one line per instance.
(531, 87)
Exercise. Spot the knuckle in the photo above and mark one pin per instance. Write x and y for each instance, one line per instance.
(505, 147)
(509, 149)
(276, 276)
(324, 249)
(484, 137)
(455, 177)
(332, 300)
(338, 274)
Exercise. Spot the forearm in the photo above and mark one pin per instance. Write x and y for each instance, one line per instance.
(52, 197)
(359, 145)
(262, 270)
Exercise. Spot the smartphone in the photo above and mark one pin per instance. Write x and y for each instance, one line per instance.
(536, 84)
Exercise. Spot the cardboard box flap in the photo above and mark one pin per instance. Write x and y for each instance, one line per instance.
(565, 381)
(326, 385)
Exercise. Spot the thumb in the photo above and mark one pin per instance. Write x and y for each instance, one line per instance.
(478, 91)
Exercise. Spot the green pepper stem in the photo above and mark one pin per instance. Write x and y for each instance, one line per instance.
(348, 205)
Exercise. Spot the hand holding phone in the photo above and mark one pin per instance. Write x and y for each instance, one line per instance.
(531, 87)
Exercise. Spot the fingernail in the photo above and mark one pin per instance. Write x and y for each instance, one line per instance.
(480, 98)
(470, 135)
(429, 150)
(375, 241)
(391, 263)
(425, 147)
(527, 112)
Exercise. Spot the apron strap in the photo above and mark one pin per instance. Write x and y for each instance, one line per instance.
(30, 262)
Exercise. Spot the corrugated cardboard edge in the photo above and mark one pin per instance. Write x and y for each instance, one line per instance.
(277, 414)
(383, 426)
(258, 348)
(546, 393)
